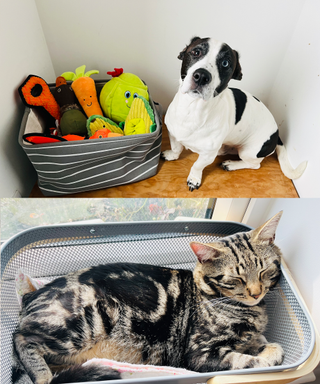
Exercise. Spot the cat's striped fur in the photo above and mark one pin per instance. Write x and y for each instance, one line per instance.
(209, 320)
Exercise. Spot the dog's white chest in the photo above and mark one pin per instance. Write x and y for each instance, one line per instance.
(195, 125)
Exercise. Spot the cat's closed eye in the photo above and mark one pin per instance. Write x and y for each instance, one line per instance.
(228, 282)
(270, 273)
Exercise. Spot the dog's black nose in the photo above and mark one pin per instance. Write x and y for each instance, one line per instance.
(202, 76)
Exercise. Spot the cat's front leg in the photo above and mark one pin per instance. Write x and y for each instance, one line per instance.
(269, 355)
(272, 352)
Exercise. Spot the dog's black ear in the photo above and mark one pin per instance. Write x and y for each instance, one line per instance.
(181, 54)
(194, 39)
(237, 73)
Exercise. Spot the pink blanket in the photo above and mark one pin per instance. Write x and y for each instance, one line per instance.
(135, 371)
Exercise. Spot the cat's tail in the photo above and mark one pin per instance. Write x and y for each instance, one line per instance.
(18, 373)
(80, 373)
(285, 166)
(75, 374)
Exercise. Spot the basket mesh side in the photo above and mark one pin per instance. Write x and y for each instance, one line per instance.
(55, 251)
(288, 324)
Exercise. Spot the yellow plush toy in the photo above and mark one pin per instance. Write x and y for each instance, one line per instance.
(140, 118)
(97, 122)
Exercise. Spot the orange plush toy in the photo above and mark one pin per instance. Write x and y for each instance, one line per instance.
(35, 92)
(104, 132)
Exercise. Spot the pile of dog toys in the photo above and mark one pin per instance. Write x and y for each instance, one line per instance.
(74, 111)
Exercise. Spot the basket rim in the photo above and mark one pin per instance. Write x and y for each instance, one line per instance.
(183, 227)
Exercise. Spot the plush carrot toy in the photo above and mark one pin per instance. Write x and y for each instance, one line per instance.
(85, 90)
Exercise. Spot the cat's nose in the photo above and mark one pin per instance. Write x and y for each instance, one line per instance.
(256, 296)
(255, 292)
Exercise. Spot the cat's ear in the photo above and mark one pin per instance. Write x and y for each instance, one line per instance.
(204, 252)
(266, 233)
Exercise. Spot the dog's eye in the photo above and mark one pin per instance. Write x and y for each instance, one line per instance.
(225, 63)
(196, 52)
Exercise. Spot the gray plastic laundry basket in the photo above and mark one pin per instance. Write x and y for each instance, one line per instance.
(56, 250)
(69, 167)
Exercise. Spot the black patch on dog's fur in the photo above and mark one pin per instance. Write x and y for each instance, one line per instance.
(188, 56)
(240, 99)
(256, 98)
(231, 71)
(269, 146)
(279, 141)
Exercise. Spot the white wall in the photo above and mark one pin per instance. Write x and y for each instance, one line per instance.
(145, 37)
(23, 51)
(294, 98)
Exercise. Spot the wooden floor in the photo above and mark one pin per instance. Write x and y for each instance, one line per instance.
(171, 181)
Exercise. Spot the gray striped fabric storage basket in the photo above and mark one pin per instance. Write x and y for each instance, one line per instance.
(77, 166)
(52, 251)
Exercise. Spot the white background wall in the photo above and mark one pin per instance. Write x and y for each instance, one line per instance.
(295, 96)
(298, 237)
(23, 51)
(145, 37)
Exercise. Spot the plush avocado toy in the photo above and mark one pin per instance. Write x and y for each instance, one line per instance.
(73, 121)
(118, 94)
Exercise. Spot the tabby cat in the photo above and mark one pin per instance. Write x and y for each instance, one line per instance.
(209, 320)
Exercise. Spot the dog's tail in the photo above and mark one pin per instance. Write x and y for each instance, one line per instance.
(286, 167)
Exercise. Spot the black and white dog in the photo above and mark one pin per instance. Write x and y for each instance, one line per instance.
(211, 119)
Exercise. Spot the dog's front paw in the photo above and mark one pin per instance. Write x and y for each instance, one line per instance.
(193, 183)
(227, 165)
(169, 155)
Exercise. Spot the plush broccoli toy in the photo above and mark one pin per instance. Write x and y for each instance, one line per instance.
(117, 94)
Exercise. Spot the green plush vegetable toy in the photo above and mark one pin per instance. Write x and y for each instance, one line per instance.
(118, 94)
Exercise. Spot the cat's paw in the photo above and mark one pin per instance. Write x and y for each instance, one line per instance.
(273, 353)
(235, 360)
(242, 361)
(169, 155)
